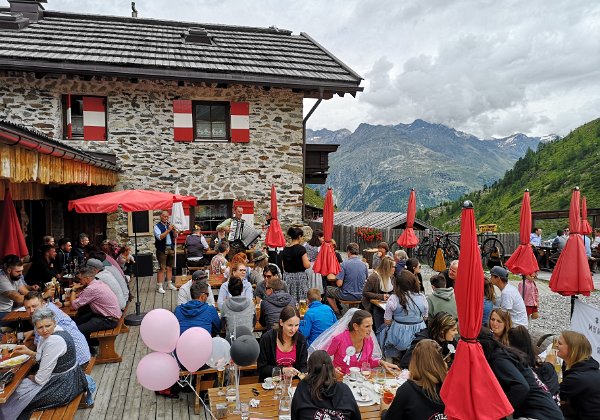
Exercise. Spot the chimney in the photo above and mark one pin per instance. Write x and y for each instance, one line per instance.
(30, 9)
(133, 10)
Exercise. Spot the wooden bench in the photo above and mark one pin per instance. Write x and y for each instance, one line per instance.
(351, 303)
(106, 339)
(64, 412)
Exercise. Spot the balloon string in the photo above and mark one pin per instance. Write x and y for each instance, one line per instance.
(186, 381)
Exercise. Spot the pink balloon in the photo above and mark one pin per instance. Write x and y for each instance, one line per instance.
(194, 348)
(157, 371)
(160, 330)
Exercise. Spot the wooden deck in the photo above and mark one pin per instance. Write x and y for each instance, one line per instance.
(119, 395)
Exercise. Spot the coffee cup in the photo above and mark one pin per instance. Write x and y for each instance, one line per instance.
(269, 382)
(354, 373)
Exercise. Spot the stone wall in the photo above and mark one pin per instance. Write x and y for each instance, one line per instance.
(140, 133)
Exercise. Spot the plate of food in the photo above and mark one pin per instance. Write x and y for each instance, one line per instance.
(363, 396)
(14, 361)
(9, 347)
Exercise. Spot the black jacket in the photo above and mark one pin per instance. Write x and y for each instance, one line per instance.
(40, 273)
(423, 335)
(581, 389)
(268, 347)
(522, 389)
(337, 403)
(412, 403)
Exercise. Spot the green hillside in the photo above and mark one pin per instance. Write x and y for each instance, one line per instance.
(550, 174)
(313, 197)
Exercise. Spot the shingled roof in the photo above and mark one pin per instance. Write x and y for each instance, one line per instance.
(149, 48)
(374, 219)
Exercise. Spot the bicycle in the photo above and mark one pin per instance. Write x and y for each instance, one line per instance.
(492, 250)
(450, 249)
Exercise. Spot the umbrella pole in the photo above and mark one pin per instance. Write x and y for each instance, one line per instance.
(136, 319)
(523, 294)
(573, 297)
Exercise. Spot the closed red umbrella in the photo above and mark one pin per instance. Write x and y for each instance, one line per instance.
(326, 262)
(522, 261)
(572, 275)
(274, 238)
(471, 390)
(586, 228)
(408, 239)
(128, 200)
(13, 240)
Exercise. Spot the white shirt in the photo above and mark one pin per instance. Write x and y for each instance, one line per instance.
(512, 301)
(224, 292)
(48, 352)
(184, 294)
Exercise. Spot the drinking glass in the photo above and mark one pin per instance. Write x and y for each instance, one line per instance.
(276, 374)
(184, 271)
(244, 411)
(2, 385)
(220, 379)
(285, 407)
(365, 370)
(380, 375)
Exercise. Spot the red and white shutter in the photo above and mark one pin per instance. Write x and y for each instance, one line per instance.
(68, 115)
(248, 210)
(240, 122)
(94, 118)
(183, 123)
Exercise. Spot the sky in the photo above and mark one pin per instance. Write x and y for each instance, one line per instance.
(486, 67)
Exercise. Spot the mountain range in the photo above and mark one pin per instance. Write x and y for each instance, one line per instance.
(376, 165)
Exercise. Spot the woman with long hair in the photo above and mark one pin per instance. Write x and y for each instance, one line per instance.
(379, 286)
(283, 346)
(419, 397)
(295, 262)
(320, 396)
(405, 314)
(414, 266)
(528, 396)
(579, 388)
(315, 280)
(500, 323)
(489, 301)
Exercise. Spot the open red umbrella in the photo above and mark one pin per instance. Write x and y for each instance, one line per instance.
(274, 238)
(408, 239)
(326, 262)
(471, 390)
(572, 275)
(522, 261)
(13, 240)
(586, 228)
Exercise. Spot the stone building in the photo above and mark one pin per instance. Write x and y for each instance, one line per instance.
(214, 110)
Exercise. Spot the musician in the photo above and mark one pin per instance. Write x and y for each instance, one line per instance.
(164, 241)
(234, 227)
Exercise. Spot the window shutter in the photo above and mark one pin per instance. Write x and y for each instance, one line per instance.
(183, 123)
(94, 118)
(240, 122)
(69, 133)
(248, 208)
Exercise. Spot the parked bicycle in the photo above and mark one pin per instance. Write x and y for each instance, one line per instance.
(450, 249)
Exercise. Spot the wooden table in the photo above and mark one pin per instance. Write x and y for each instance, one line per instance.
(269, 407)
(20, 374)
(15, 316)
(379, 303)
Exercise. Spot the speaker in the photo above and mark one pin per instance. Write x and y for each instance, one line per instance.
(140, 222)
(145, 265)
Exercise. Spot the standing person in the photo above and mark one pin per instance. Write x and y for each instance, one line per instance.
(42, 269)
(164, 241)
(12, 285)
(317, 318)
(414, 266)
(63, 255)
(195, 246)
(234, 235)
(295, 262)
(320, 396)
(78, 251)
(442, 299)
(218, 264)
(531, 297)
(350, 280)
(313, 246)
(383, 250)
(535, 240)
(419, 397)
(510, 299)
(379, 286)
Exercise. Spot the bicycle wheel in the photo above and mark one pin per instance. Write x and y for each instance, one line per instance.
(430, 258)
(422, 253)
(451, 252)
(492, 253)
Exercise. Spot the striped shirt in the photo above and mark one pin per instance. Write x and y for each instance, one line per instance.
(100, 298)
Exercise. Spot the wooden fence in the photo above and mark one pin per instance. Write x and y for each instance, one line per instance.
(343, 235)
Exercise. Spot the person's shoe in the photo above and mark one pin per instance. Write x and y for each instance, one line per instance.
(172, 286)
(160, 290)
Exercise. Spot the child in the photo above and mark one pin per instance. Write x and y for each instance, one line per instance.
(531, 296)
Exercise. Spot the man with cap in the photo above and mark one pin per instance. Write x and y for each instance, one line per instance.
(510, 299)
(184, 294)
(107, 278)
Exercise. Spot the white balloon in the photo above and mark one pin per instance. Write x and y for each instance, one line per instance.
(220, 356)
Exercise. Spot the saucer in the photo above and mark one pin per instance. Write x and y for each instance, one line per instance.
(267, 387)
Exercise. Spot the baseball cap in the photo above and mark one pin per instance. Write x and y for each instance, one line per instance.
(199, 275)
(499, 272)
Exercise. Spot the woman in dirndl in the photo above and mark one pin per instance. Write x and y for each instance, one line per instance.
(295, 262)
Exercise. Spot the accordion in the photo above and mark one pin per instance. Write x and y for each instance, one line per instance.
(242, 234)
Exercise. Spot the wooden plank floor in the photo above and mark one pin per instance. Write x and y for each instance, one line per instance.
(119, 395)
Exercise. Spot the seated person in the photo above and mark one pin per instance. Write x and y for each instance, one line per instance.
(107, 278)
(63, 255)
(442, 299)
(260, 263)
(379, 286)
(117, 274)
(238, 310)
(383, 250)
(400, 258)
(274, 302)
(317, 318)
(106, 257)
(595, 243)
(198, 313)
(59, 379)
(97, 306)
(217, 238)
(184, 295)
(125, 260)
(450, 273)
(218, 264)
(510, 298)
(78, 250)
(271, 270)
(195, 246)
(42, 269)
(12, 285)
(237, 270)
(350, 280)
(283, 346)
(320, 396)
(35, 300)
(560, 240)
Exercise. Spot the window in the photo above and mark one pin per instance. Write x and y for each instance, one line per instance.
(210, 213)
(84, 117)
(211, 121)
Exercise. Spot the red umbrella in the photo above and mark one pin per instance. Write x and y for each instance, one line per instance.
(522, 261)
(471, 390)
(585, 229)
(274, 238)
(326, 262)
(572, 275)
(129, 200)
(13, 241)
(408, 239)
